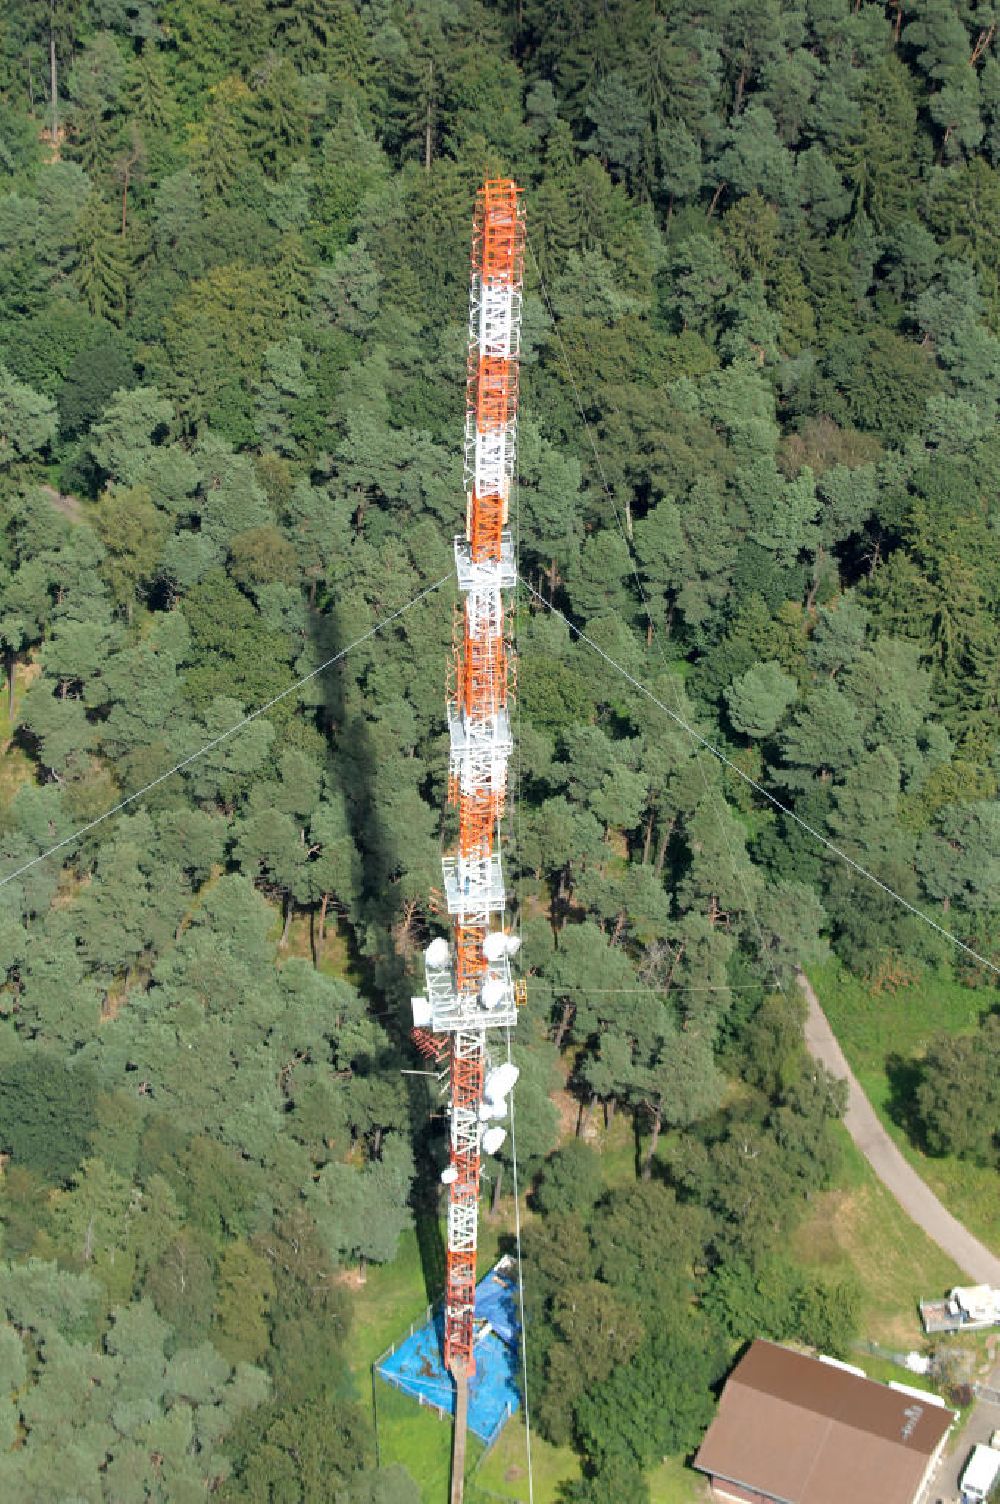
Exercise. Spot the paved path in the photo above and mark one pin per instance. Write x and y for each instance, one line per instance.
(898, 1177)
(984, 1419)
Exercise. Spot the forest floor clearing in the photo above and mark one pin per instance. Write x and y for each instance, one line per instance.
(335, 959)
(70, 507)
(16, 767)
(882, 1035)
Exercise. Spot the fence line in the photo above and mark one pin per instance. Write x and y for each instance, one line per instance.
(423, 1321)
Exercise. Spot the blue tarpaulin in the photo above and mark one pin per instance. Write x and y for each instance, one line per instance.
(417, 1367)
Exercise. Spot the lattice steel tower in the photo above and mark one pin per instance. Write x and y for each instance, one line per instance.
(470, 989)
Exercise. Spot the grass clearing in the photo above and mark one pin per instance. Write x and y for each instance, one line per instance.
(859, 1227)
(336, 960)
(616, 1146)
(420, 1439)
(621, 1149)
(16, 766)
(503, 1474)
(391, 1297)
(872, 1027)
(880, 1033)
(885, 1371)
(673, 1482)
(970, 1192)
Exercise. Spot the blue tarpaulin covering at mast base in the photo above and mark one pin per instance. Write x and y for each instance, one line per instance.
(417, 1365)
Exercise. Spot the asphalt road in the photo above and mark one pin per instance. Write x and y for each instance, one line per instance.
(917, 1200)
(983, 1420)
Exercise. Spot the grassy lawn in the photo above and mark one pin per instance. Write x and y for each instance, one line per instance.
(421, 1440)
(879, 1033)
(873, 1027)
(858, 1226)
(504, 1473)
(673, 1482)
(391, 1297)
(886, 1371)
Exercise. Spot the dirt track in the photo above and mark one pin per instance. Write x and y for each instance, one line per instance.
(898, 1177)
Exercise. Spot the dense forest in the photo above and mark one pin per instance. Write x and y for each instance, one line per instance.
(758, 461)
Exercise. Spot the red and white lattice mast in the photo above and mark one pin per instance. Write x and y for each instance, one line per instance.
(469, 985)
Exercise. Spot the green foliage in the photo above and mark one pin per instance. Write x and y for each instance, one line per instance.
(232, 328)
(110, 1412)
(230, 646)
(130, 425)
(27, 421)
(47, 1109)
(759, 698)
(613, 1478)
(570, 1180)
(245, 1290)
(133, 534)
(91, 378)
(299, 1452)
(776, 1300)
(956, 1099)
(593, 1332)
(100, 273)
(181, 1286)
(661, 1402)
(360, 1214)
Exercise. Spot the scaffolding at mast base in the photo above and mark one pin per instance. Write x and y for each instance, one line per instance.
(414, 1365)
(470, 989)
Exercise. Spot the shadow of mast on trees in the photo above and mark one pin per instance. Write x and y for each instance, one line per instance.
(375, 910)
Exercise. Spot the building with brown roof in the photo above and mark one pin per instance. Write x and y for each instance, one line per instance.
(797, 1430)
